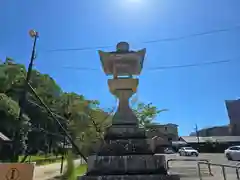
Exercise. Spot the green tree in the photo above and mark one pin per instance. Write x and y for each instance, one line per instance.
(146, 113)
(85, 121)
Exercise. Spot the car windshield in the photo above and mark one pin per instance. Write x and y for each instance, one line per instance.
(234, 148)
(188, 148)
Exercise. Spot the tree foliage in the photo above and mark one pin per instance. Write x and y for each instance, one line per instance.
(74, 111)
(146, 113)
(85, 121)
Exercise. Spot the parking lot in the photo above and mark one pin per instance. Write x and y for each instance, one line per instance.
(188, 170)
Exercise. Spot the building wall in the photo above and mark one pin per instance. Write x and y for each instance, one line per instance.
(213, 131)
(233, 129)
(168, 130)
(233, 109)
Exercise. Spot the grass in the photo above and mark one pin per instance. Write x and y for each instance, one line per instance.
(37, 157)
(42, 159)
(80, 170)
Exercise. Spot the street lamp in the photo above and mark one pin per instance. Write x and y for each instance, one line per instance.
(22, 100)
(33, 34)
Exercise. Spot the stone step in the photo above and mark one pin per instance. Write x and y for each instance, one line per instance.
(131, 164)
(131, 177)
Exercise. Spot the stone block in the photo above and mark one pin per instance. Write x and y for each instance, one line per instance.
(131, 177)
(132, 164)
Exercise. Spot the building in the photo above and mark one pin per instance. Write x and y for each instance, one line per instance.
(211, 144)
(233, 109)
(213, 131)
(162, 135)
(170, 131)
(233, 129)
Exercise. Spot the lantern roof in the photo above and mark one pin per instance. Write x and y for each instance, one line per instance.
(122, 61)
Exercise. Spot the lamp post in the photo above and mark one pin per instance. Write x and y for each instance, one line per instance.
(33, 34)
(22, 100)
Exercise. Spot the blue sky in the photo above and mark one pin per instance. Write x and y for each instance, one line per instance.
(192, 95)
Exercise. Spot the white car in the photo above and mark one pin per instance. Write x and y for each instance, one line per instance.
(168, 151)
(233, 153)
(188, 151)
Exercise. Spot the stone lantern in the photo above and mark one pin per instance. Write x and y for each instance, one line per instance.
(126, 152)
(123, 65)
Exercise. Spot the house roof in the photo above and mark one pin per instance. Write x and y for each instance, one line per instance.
(194, 139)
(3, 137)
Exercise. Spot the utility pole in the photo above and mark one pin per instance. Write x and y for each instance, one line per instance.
(197, 133)
(22, 100)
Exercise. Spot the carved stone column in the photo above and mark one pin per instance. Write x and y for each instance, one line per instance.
(123, 89)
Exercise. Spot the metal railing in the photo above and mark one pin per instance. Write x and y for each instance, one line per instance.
(223, 166)
(192, 160)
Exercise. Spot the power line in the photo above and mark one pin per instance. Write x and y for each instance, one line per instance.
(81, 68)
(41, 107)
(35, 129)
(79, 49)
(152, 41)
(193, 35)
(191, 65)
(93, 122)
(166, 67)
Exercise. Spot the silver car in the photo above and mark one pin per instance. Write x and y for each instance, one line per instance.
(188, 151)
(233, 153)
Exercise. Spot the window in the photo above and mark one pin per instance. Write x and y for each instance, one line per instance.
(234, 148)
(188, 148)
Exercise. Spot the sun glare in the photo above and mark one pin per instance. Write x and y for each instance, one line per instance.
(132, 3)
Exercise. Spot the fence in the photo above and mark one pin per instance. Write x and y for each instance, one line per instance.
(223, 166)
(192, 160)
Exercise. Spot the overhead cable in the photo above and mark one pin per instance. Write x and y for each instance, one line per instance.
(191, 65)
(165, 67)
(152, 41)
(193, 35)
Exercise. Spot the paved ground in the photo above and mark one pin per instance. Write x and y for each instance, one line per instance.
(188, 170)
(49, 171)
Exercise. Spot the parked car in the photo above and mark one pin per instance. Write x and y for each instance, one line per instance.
(188, 151)
(233, 153)
(169, 151)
